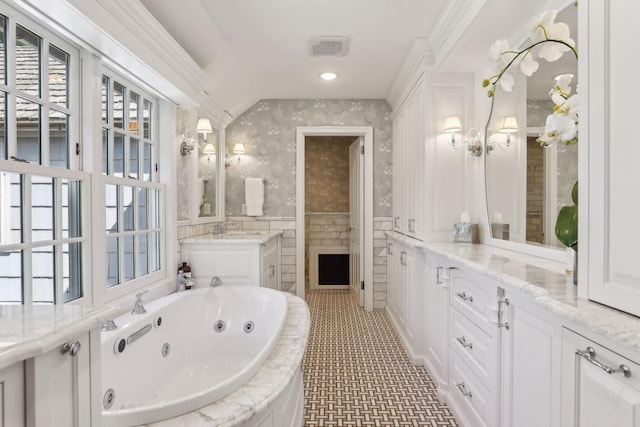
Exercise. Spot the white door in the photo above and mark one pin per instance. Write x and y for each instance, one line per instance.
(356, 219)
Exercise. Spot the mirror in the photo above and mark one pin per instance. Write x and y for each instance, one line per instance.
(206, 204)
(527, 184)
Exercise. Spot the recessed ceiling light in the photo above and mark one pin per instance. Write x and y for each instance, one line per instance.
(328, 76)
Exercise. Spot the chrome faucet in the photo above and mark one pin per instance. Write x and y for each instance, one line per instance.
(182, 282)
(138, 308)
(109, 325)
(218, 228)
(215, 282)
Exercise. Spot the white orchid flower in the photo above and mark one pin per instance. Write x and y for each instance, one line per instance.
(506, 82)
(553, 51)
(561, 90)
(558, 128)
(540, 23)
(528, 65)
(569, 108)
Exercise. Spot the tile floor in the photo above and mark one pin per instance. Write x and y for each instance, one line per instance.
(356, 372)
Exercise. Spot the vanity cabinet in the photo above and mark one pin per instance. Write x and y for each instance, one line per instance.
(238, 259)
(600, 387)
(406, 296)
(58, 386)
(12, 396)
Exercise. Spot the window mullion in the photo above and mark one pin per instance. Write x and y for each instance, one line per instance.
(58, 270)
(27, 253)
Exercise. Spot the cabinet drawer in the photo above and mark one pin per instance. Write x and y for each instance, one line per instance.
(470, 297)
(474, 346)
(470, 395)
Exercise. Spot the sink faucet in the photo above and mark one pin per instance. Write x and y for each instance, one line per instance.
(138, 308)
(215, 282)
(218, 228)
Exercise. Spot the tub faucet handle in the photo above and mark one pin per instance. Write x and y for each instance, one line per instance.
(109, 325)
(215, 282)
(138, 307)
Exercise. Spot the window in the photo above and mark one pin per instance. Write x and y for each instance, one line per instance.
(133, 197)
(42, 233)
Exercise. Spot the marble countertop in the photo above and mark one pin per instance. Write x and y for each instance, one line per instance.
(30, 330)
(232, 236)
(267, 384)
(544, 281)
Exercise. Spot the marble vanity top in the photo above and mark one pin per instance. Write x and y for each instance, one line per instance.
(542, 279)
(270, 380)
(30, 330)
(233, 236)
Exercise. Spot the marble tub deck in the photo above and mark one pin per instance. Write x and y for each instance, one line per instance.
(265, 386)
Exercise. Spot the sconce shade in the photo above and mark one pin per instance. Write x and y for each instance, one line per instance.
(209, 149)
(509, 124)
(204, 126)
(238, 149)
(452, 124)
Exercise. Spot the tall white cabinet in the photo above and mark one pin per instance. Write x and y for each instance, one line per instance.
(609, 156)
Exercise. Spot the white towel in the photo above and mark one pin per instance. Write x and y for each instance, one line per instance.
(254, 196)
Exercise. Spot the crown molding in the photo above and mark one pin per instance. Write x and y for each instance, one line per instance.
(419, 59)
(452, 23)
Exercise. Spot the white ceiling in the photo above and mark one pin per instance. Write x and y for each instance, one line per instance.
(258, 49)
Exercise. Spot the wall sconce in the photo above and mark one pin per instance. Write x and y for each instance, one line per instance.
(452, 125)
(508, 126)
(188, 143)
(209, 150)
(239, 150)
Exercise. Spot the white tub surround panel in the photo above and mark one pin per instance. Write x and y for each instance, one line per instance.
(261, 397)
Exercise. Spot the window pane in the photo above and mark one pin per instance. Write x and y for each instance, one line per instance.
(58, 139)
(27, 61)
(134, 158)
(147, 162)
(143, 257)
(105, 151)
(105, 99)
(118, 154)
(134, 123)
(3, 125)
(28, 130)
(3, 49)
(72, 271)
(129, 214)
(71, 209)
(146, 117)
(58, 76)
(155, 214)
(128, 258)
(42, 211)
(143, 213)
(118, 105)
(11, 277)
(43, 267)
(11, 208)
(112, 261)
(155, 251)
(111, 208)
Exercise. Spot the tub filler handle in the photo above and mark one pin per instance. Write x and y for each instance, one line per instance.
(140, 332)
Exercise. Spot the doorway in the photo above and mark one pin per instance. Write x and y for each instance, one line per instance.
(361, 230)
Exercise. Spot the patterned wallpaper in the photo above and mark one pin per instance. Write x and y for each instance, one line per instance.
(268, 132)
(327, 173)
(185, 119)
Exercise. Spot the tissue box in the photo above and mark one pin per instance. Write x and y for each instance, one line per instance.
(500, 231)
(465, 233)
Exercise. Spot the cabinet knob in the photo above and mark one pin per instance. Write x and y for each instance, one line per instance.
(463, 296)
(71, 348)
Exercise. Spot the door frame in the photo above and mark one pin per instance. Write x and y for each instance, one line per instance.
(366, 132)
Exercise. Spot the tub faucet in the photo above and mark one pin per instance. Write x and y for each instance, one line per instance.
(215, 282)
(218, 228)
(138, 308)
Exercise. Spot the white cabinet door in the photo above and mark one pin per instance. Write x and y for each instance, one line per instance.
(608, 248)
(595, 390)
(437, 319)
(58, 386)
(393, 255)
(12, 396)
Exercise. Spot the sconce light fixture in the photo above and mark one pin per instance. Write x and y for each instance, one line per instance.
(188, 143)
(239, 150)
(452, 125)
(508, 126)
(204, 127)
(209, 150)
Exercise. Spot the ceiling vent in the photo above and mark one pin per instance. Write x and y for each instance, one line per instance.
(328, 46)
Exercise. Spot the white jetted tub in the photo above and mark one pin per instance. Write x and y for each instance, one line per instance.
(190, 349)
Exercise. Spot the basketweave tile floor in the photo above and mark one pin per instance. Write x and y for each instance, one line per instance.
(356, 372)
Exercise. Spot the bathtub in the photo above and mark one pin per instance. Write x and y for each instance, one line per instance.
(190, 349)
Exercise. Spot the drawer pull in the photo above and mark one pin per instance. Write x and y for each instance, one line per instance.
(464, 296)
(389, 249)
(463, 342)
(590, 356)
(462, 388)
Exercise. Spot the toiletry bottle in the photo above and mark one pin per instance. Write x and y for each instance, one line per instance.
(186, 270)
